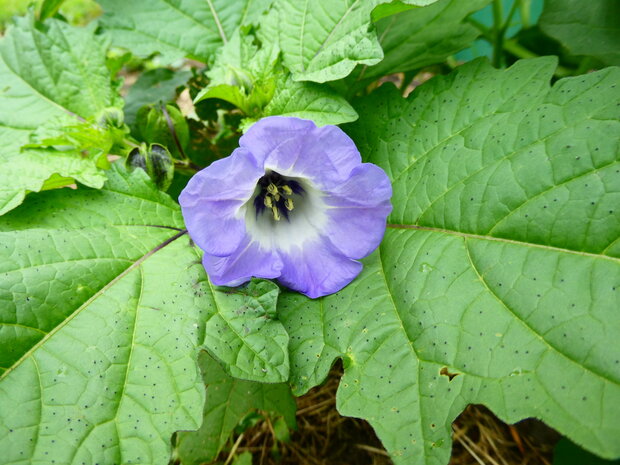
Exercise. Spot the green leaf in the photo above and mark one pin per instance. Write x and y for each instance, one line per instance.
(323, 40)
(49, 8)
(567, 453)
(245, 458)
(192, 28)
(243, 74)
(245, 335)
(48, 71)
(423, 36)
(163, 124)
(252, 79)
(593, 31)
(228, 401)
(100, 325)
(152, 87)
(308, 100)
(104, 302)
(498, 280)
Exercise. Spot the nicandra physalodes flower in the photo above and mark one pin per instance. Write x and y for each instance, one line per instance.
(293, 202)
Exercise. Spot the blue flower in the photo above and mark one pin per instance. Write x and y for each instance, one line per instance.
(293, 202)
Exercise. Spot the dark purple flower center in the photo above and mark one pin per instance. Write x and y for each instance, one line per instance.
(275, 194)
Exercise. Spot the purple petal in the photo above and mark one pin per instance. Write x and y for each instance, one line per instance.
(239, 267)
(317, 269)
(296, 147)
(211, 200)
(268, 134)
(357, 211)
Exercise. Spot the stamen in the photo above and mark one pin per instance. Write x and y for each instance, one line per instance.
(275, 192)
(272, 189)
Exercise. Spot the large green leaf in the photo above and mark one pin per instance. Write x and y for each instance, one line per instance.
(498, 280)
(176, 29)
(47, 71)
(103, 303)
(228, 401)
(323, 40)
(420, 37)
(591, 30)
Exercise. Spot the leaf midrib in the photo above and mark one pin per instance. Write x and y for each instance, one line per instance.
(504, 240)
(95, 296)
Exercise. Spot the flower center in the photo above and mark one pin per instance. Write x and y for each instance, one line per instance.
(275, 194)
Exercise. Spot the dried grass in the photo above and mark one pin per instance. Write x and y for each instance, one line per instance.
(324, 437)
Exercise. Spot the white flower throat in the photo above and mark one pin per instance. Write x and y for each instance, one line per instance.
(284, 211)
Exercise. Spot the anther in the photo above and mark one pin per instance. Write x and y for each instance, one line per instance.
(267, 201)
(276, 197)
(272, 189)
(287, 190)
(288, 203)
(276, 213)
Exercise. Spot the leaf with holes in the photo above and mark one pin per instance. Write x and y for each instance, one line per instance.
(228, 401)
(192, 28)
(103, 303)
(48, 71)
(323, 40)
(498, 280)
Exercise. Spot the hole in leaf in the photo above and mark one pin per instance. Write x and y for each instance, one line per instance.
(445, 372)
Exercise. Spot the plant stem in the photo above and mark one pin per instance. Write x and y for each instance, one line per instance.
(511, 13)
(584, 66)
(515, 48)
(498, 35)
(526, 7)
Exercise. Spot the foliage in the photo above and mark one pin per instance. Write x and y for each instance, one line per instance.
(593, 31)
(497, 281)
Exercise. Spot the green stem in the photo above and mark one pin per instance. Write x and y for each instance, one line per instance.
(526, 7)
(584, 66)
(511, 13)
(498, 35)
(515, 48)
(518, 50)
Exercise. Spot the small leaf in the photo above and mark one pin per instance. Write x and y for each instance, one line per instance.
(228, 401)
(245, 458)
(49, 8)
(567, 453)
(163, 124)
(153, 87)
(423, 36)
(252, 79)
(323, 40)
(244, 335)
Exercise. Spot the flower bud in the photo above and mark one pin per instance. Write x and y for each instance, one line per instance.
(156, 161)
